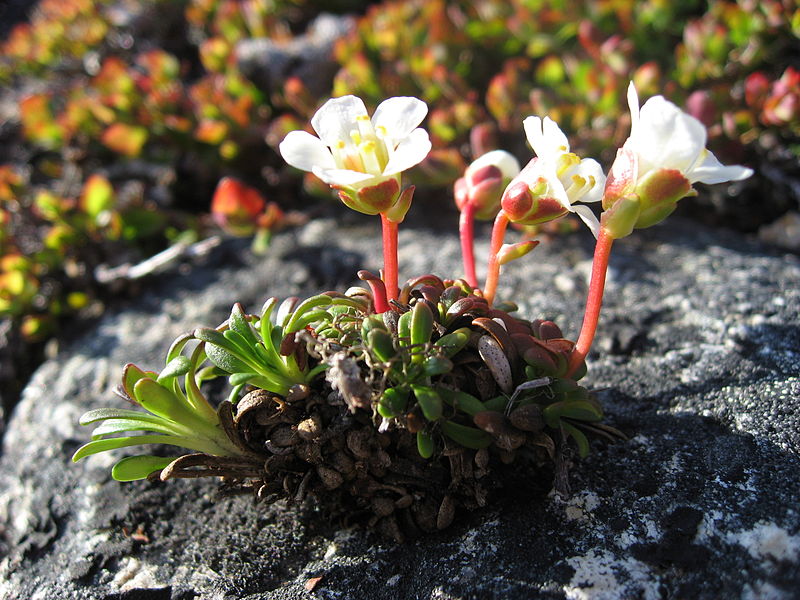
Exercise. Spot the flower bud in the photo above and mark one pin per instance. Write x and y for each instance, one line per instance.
(532, 203)
(483, 183)
(509, 252)
(656, 167)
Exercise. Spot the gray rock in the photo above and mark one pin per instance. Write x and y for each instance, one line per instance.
(269, 63)
(697, 361)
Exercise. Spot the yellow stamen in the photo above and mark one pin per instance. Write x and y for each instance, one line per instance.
(566, 161)
(369, 156)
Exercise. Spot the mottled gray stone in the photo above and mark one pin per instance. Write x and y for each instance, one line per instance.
(269, 63)
(697, 361)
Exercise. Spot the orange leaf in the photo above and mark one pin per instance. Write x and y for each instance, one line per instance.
(125, 139)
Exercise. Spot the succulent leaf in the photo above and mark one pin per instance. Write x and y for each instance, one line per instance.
(469, 437)
(425, 444)
(134, 468)
(180, 365)
(393, 402)
(462, 401)
(429, 401)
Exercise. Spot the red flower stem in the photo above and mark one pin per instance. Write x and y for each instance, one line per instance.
(493, 274)
(466, 231)
(389, 230)
(594, 301)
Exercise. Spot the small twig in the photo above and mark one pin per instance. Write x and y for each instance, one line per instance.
(156, 263)
(527, 385)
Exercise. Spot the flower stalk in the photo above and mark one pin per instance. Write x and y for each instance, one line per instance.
(493, 267)
(390, 270)
(594, 300)
(466, 232)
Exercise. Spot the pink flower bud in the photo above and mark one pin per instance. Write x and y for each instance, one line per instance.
(483, 183)
(509, 252)
(530, 204)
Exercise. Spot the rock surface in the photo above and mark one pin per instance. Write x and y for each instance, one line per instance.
(309, 57)
(696, 360)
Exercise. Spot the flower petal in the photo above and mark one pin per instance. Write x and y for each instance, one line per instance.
(305, 151)
(506, 162)
(411, 151)
(591, 171)
(399, 116)
(633, 105)
(343, 177)
(587, 216)
(335, 119)
(545, 137)
(710, 170)
(540, 169)
(667, 138)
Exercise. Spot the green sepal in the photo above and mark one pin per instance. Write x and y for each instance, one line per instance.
(469, 437)
(429, 402)
(619, 220)
(134, 468)
(466, 403)
(425, 444)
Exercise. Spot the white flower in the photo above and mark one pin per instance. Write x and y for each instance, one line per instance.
(665, 137)
(553, 182)
(657, 165)
(353, 151)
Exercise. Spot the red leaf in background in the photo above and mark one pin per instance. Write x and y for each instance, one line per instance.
(236, 207)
